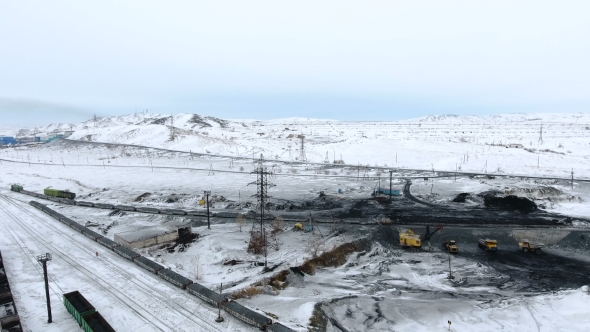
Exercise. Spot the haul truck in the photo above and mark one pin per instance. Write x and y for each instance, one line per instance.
(409, 240)
(488, 245)
(527, 246)
(451, 246)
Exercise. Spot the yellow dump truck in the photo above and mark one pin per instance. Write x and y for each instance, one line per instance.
(451, 246)
(527, 246)
(488, 245)
(409, 240)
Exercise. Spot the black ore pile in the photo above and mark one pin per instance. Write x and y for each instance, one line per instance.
(510, 202)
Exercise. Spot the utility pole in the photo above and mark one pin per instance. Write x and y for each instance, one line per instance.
(572, 178)
(455, 172)
(390, 176)
(219, 319)
(450, 272)
(43, 259)
(207, 193)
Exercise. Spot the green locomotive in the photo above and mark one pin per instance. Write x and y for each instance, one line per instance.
(16, 187)
(59, 193)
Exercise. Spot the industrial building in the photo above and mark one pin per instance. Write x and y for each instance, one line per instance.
(151, 236)
(6, 140)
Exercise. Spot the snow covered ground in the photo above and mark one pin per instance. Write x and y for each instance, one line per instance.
(129, 298)
(392, 290)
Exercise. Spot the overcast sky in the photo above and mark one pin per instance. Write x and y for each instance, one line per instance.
(350, 60)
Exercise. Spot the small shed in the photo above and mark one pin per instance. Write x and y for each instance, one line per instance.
(515, 146)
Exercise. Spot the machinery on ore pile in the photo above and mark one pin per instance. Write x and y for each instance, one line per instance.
(488, 245)
(409, 240)
(451, 246)
(527, 246)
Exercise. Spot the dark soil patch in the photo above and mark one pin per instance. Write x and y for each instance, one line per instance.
(461, 198)
(182, 243)
(510, 202)
(143, 196)
(335, 257)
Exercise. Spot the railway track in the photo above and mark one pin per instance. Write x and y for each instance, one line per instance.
(155, 302)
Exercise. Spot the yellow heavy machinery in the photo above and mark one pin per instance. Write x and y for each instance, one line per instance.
(488, 245)
(409, 240)
(451, 246)
(527, 246)
(298, 227)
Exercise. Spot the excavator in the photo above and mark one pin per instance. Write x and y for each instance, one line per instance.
(409, 240)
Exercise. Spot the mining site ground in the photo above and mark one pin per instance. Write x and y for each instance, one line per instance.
(551, 270)
(376, 277)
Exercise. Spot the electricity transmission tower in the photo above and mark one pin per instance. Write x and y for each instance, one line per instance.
(258, 241)
(172, 129)
(541, 135)
(302, 156)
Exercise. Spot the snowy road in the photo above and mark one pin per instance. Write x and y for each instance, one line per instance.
(129, 298)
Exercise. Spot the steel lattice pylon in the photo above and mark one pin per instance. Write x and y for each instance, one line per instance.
(257, 235)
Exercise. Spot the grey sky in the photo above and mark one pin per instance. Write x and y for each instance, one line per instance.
(373, 60)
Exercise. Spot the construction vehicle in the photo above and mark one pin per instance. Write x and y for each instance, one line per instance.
(409, 240)
(451, 246)
(299, 227)
(488, 245)
(527, 246)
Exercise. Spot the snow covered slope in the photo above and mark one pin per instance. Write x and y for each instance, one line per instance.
(445, 142)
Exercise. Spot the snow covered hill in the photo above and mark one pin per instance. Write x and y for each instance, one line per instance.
(443, 142)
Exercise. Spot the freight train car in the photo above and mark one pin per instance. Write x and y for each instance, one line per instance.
(59, 193)
(77, 305)
(94, 322)
(82, 203)
(85, 314)
(147, 210)
(277, 327)
(173, 211)
(247, 315)
(125, 207)
(127, 253)
(174, 278)
(91, 234)
(205, 294)
(110, 244)
(103, 206)
(148, 264)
